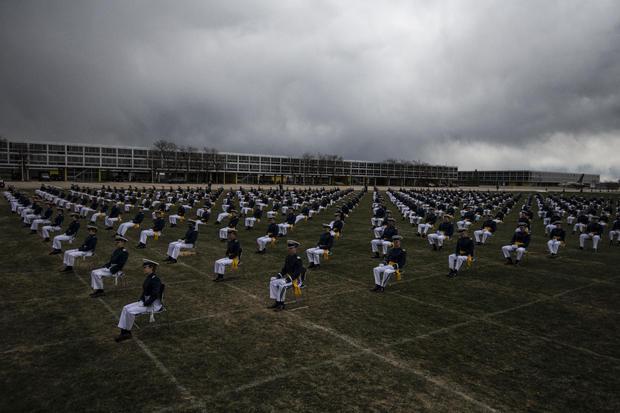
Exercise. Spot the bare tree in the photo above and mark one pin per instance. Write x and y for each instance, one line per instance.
(166, 152)
(212, 162)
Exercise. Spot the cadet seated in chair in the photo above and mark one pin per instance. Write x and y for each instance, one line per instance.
(116, 264)
(69, 235)
(233, 252)
(188, 241)
(556, 238)
(270, 236)
(394, 262)
(464, 252)
(158, 226)
(85, 250)
(386, 240)
(137, 220)
(488, 228)
(323, 247)
(519, 242)
(594, 231)
(289, 276)
(444, 231)
(150, 300)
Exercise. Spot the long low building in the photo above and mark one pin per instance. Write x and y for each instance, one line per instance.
(96, 163)
(526, 178)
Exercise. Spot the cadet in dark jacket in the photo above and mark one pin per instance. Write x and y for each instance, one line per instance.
(188, 241)
(395, 260)
(85, 250)
(233, 253)
(444, 231)
(386, 238)
(288, 223)
(594, 231)
(180, 215)
(55, 226)
(113, 216)
(429, 222)
(337, 224)
(135, 223)
(232, 224)
(69, 235)
(556, 238)
(289, 276)
(520, 241)
(488, 228)
(45, 219)
(256, 216)
(116, 264)
(270, 236)
(464, 252)
(150, 300)
(158, 226)
(323, 247)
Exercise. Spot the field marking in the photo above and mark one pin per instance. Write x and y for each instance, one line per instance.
(434, 380)
(162, 368)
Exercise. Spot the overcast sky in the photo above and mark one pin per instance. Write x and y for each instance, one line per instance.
(477, 84)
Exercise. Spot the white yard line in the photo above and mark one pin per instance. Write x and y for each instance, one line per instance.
(162, 368)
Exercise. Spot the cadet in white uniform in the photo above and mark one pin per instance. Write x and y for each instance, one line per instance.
(111, 269)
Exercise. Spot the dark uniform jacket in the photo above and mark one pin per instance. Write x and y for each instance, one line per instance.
(89, 243)
(191, 235)
(337, 226)
(233, 249)
(558, 233)
(158, 224)
(293, 266)
(151, 289)
(594, 228)
(464, 246)
(326, 241)
(447, 228)
(397, 255)
(522, 237)
(118, 260)
(272, 230)
(73, 228)
(490, 225)
(389, 232)
(138, 218)
(232, 223)
(58, 220)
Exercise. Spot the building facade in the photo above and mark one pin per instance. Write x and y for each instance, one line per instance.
(96, 163)
(525, 178)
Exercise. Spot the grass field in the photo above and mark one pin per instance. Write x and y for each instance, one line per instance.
(540, 337)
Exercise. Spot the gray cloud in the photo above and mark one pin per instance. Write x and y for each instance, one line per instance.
(367, 80)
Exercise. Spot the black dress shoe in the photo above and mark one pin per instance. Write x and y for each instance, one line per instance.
(220, 277)
(311, 265)
(54, 252)
(377, 286)
(125, 335)
(274, 305)
(434, 247)
(279, 308)
(141, 245)
(97, 293)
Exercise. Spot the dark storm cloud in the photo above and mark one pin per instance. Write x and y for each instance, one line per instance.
(475, 84)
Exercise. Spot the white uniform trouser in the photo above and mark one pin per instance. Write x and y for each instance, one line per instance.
(144, 234)
(314, 255)
(546, 221)
(570, 219)
(374, 244)
(122, 228)
(455, 261)
(175, 247)
(282, 228)
(84, 211)
(220, 265)
(414, 219)
(386, 270)
(379, 231)
(277, 288)
(485, 233)
(109, 222)
(554, 245)
(96, 276)
(71, 255)
(595, 239)
(376, 221)
(94, 217)
(128, 315)
(506, 249)
(263, 241)
(464, 224)
(245, 210)
(173, 219)
(423, 228)
(224, 233)
(29, 217)
(615, 234)
(299, 218)
(549, 228)
(58, 239)
(45, 231)
(579, 226)
(271, 214)
(35, 223)
(311, 213)
(221, 216)
(439, 238)
(250, 221)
